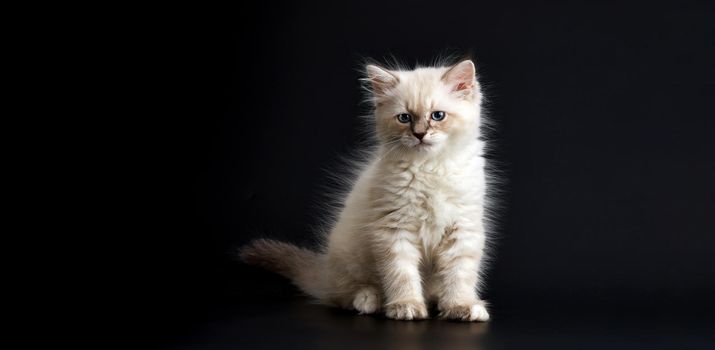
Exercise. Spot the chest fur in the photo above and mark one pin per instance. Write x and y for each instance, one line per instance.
(428, 199)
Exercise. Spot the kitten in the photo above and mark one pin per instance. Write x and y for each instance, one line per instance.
(412, 229)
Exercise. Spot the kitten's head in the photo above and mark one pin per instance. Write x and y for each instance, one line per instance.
(427, 109)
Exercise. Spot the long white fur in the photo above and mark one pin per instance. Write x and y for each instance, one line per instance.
(412, 228)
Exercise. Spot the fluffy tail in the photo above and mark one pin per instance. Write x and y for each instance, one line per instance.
(302, 266)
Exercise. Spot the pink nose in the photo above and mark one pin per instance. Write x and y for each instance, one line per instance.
(419, 135)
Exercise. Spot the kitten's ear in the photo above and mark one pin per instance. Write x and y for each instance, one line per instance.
(381, 79)
(461, 78)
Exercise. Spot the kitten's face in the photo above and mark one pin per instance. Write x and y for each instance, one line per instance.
(427, 109)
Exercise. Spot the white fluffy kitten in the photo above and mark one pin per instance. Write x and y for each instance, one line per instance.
(412, 229)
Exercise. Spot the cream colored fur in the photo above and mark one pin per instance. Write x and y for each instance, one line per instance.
(411, 231)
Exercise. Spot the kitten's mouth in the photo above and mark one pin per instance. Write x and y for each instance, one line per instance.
(423, 145)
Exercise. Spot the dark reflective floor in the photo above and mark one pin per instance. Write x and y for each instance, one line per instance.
(298, 324)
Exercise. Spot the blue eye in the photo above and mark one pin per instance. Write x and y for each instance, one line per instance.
(438, 115)
(404, 118)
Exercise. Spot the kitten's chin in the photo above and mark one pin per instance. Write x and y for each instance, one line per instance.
(424, 147)
(417, 145)
(427, 147)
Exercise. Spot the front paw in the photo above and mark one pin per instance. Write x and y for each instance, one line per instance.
(406, 310)
(466, 312)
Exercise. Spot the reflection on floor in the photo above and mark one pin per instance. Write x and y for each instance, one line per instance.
(299, 324)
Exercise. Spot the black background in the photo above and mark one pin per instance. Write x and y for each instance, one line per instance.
(604, 132)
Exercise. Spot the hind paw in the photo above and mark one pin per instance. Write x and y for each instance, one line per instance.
(367, 300)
